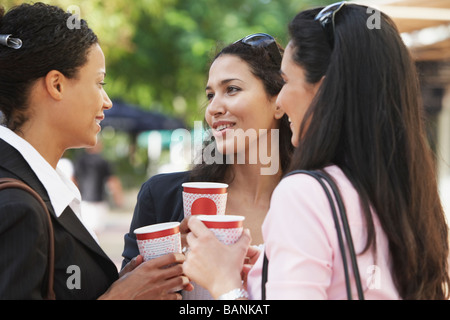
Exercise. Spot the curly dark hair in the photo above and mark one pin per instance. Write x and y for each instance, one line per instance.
(48, 44)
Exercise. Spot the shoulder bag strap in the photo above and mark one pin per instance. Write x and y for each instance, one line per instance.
(9, 183)
(347, 233)
(264, 276)
(320, 176)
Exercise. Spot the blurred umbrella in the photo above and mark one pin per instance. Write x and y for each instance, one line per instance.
(132, 119)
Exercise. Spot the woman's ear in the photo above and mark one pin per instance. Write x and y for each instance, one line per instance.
(278, 112)
(54, 83)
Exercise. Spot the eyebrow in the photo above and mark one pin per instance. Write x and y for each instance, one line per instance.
(223, 82)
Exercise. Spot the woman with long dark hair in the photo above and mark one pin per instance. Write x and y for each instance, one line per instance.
(353, 99)
(242, 88)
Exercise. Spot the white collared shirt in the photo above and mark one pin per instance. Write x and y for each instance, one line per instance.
(61, 190)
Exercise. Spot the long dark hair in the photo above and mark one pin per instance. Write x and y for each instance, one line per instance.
(48, 44)
(264, 68)
(367, 119)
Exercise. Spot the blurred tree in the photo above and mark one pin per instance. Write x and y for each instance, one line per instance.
(158, 51)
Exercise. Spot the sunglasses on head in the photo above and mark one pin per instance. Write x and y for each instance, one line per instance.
(264, 40)
(326, 19)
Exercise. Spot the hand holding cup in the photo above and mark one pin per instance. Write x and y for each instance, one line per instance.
(211, 263)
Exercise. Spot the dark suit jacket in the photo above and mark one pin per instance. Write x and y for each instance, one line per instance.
(23, 242)
(159, 200)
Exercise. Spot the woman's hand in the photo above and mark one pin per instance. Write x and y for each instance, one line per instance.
(252, 255)
(157, 279)
(133, 264)
(184, 230)
(212, 264)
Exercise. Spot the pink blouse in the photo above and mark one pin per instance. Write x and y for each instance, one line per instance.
(302, 246)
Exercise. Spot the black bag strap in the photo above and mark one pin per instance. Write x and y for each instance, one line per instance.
(9, 183)
(264, 276)
(321, 176)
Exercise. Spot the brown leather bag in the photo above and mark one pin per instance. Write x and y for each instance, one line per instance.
(9, 183)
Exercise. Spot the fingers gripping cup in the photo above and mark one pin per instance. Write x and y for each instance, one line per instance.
(206, 198)
(158, 239)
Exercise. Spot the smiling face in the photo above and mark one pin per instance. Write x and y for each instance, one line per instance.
(85, 101)
(297, 94)
(237, 100)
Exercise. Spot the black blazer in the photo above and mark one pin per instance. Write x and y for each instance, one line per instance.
(23, 242)
(159, 200)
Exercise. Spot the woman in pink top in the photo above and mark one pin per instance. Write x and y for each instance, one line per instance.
(351, 93)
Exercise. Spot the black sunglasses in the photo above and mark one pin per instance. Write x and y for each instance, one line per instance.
(264, 40)
(326, 19)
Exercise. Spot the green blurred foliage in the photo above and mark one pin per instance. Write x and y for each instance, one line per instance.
(158, 51)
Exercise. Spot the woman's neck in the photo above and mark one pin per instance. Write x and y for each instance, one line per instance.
(248, 180)
(43, 141)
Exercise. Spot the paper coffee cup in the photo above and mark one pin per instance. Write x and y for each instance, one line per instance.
(227, 228)
(205, 198)
(158, 239)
